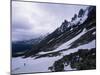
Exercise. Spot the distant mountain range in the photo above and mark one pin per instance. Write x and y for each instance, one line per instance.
(19, 47)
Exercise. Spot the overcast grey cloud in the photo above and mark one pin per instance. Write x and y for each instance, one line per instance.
(31, 20)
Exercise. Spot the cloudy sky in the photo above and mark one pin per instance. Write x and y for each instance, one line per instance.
(31, 20)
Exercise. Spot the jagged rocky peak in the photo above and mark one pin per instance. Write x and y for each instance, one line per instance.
(81, 13)
(77, 19)
(73, 18)
(65, 22)
(80, 18)
(65, 25)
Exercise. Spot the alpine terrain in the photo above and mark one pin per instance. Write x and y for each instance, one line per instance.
(72, 46)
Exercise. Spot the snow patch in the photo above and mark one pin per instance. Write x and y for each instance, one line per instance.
(66, 68)
(93, 33)
(51, 40)
(86, 46)
(32, 65)
(75, 22)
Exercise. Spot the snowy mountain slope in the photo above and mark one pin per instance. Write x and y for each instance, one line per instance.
(65, 32)
(66, 44)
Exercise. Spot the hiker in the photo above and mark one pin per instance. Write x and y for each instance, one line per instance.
(24, 64)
